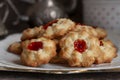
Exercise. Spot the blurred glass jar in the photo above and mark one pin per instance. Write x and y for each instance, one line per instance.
(47, 10)
(3, 30)
(3, 17)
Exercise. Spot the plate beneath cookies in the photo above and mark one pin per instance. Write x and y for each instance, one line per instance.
(11, 62)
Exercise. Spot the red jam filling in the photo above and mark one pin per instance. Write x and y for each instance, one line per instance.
(94, 27)
(49, 24)
(35, 46)
(101, 43)
(80, 45)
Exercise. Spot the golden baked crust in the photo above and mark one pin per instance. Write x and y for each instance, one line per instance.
(51, 30)
(97, 32)
(58, 28)
(104, 51)
(38, 57)
(30, 33)
(101, 32)
(98, 54)
(108, 49)
(15, 48)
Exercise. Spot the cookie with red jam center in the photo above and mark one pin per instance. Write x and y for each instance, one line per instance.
(38, 51)
(76, 48)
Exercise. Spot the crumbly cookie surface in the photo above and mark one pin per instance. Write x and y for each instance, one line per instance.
(15, 48)
(57, 28)
(30, 33)
(108, 49)
(38, 51)
(97, 32)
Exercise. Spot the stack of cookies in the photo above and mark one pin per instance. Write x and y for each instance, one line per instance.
(64, 41)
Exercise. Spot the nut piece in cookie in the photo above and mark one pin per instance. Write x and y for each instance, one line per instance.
(38, 51)
(30, 33)
(57, 28)
(15, 48)
(76, 49)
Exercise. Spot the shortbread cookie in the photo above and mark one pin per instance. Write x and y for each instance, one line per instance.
(108, 49)
(98, 53)
(104, 51)
(93, 31)
(15, 48)
(38, 51)
(76, 48)
(58, 60)
(30, 33)
(57, 28)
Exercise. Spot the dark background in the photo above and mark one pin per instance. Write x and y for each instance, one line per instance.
(22, 7)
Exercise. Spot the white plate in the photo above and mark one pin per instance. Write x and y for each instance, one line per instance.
(11, 62)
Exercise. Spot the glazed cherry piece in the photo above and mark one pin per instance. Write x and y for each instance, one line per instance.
(101, 43)
(80, 45)
(94, 27)
(35, 46)
(49, 24)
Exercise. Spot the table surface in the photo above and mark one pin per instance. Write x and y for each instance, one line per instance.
(9, 75)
